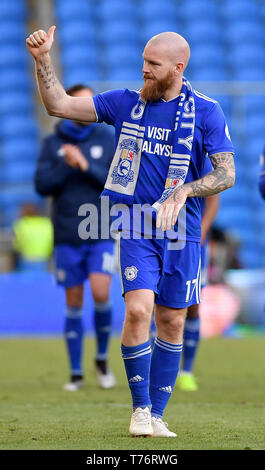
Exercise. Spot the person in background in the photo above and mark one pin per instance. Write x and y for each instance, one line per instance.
(72, 168)
(191, 337)
(262, 175)
(33, 239)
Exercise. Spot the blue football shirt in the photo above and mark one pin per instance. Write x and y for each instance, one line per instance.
(211, 136)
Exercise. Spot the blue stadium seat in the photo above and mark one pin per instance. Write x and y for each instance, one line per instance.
(254, 103)
(106, 10)
(77, 10)
(248, 74)
(124, 74)
(75, 31)
(14, 195)
(150, 10)
(84, 75)
(208, 73)
(15, 78)
(151, 28)
(12, 31)
(77, 55)
(245, 54)
(12, 55)
(207, 54)
(18, 148)
(239, 9)
(13, 9)
(238, 31)
(198, 9)
(255, 125)
(22, 126)
(16, 103)
(119, 31)
(19, 172)
(198, 31)
(122, 55)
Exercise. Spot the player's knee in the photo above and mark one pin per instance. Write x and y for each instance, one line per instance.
(172, 325)
(74, 296)
(101, 297)
(137, 313)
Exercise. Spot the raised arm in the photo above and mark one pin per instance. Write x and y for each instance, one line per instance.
(221, 178)
(53, 95)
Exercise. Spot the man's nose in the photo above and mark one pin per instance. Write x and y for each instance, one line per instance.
(145, 68)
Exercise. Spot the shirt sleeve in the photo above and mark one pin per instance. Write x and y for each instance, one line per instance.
(107, 105)
(217, 138)
(208, 167)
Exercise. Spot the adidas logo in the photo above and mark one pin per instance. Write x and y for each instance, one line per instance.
(166, 389)
(137, 378)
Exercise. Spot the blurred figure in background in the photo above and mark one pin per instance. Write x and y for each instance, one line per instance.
(72, 168)
(33, 240)
(262, 175)
(191, 336)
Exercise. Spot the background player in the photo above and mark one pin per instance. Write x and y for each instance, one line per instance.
(166, 102)
(72, 168)
(191, 337)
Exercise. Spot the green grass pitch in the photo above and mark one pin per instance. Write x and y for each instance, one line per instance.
(35, 413)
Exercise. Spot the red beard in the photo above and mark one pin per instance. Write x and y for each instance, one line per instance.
(154, 89)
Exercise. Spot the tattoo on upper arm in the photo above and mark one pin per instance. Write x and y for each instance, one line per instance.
(221, 178)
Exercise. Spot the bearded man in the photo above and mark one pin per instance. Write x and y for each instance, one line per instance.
(164, 133)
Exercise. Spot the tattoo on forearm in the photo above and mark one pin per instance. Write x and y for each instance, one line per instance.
(46, 74)
(221, 178)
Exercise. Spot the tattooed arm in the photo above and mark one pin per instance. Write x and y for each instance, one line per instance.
(221, 178)
(54, 97)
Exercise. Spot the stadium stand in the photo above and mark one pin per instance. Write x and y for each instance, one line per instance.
(101, 41)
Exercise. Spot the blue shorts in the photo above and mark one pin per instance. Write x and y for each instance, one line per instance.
(173, 275)
(73, 264)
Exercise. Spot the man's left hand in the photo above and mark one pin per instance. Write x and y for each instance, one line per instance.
(169, 210)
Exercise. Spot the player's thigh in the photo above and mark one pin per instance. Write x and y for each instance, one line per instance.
(100, 257)
(70, 269)
(180, 283)
(100, 286)
(140, 265)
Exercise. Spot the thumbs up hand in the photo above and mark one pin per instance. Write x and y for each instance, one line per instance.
(40, 42)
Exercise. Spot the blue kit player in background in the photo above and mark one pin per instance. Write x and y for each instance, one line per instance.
(72, 168)
(191, 338)
(262, 174)
(163, 133)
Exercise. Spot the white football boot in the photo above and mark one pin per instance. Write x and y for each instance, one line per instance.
(73, 386)
(141, 423)
(160, 428)
(106, 378)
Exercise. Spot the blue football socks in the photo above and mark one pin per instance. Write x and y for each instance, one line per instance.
(102, 323)
(163, 374)
(190, 343)
(73, 333)
(137, 361)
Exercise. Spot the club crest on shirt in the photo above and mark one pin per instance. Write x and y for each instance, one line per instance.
(138, 110)
(131, 273)
(122, 173)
